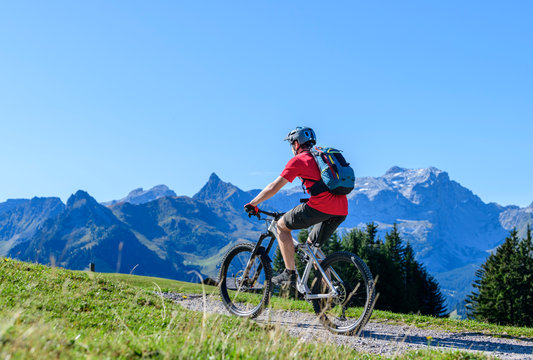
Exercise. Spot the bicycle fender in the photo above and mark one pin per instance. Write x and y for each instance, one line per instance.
(262, 251)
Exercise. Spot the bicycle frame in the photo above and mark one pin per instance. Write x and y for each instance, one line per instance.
(313, 257)
(246, 269)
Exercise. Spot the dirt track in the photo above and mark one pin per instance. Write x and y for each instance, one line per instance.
(377, 338)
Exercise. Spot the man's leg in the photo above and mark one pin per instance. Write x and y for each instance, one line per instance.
(286, 245)
(301, 217)
(286, 279)
(321, 232)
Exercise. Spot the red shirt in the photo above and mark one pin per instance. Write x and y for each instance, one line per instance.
(304, 166)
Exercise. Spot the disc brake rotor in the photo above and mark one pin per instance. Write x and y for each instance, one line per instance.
(341, 291)
(242, 284)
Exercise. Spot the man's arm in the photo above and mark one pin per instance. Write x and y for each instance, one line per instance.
(269, 191)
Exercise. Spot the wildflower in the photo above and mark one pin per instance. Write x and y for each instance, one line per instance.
(429, 338)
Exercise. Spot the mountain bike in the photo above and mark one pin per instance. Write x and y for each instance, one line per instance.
(339, 286)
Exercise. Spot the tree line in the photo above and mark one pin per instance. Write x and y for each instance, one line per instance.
(403, 284)
(503, 289)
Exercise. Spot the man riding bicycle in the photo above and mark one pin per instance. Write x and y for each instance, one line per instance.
(324, 210)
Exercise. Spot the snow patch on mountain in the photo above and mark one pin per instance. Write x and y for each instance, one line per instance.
(141, 196)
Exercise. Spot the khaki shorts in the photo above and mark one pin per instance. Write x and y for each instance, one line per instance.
(304, 216)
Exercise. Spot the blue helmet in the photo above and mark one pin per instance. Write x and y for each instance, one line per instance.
(302, 134)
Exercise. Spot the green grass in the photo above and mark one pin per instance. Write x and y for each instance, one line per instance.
(54, 313)
(151, 283)
(452, 325)
(279, 303)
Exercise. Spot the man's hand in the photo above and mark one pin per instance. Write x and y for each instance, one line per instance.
(252, 210)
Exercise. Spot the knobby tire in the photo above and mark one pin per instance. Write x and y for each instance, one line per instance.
(235, 290)
(357, 294)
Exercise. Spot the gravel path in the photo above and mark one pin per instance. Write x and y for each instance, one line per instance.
(377, 338)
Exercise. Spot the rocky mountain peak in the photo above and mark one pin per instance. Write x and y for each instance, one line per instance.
(394, 170)
(11, 204)
(140, 196)
(419, 185)
(407, 182)
(80, 198)
(529, 209)
(413, 175)
(399, 178)
(214, 178)
(161, 188)
(83, 211)
(37, 204)
(218, 190)
(136, 192)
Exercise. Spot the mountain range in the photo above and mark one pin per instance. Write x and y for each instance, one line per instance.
(155, 232)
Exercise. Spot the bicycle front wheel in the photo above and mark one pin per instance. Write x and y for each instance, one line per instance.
(245, 282)
(350, 309)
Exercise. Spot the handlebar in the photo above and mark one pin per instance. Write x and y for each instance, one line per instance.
(275, 215)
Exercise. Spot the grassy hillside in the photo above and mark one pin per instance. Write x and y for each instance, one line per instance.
(55, 313)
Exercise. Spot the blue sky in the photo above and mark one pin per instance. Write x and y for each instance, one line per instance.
(110, 96)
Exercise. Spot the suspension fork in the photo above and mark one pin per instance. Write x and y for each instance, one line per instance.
(272, 233)
(255, 253)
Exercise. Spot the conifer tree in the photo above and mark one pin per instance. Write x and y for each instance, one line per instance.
(333, 244)
(404, 285)
(394, 247)
(502, 290)
(336, 242)
(369, 249)
(371, 232)
(410, 281)
(392, 276)
(352, 241)
(431, 299)
(278, 264)
(525, 302)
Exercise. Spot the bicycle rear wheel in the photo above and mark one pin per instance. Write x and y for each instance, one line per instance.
(348, 312)
(245, 282)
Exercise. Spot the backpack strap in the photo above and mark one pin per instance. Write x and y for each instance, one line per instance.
(319, 186)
